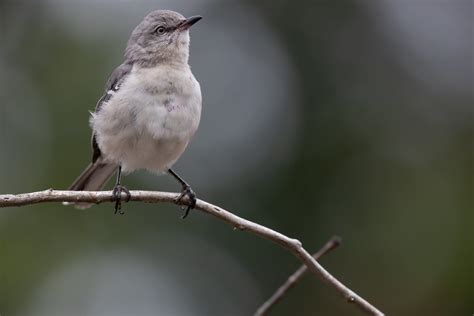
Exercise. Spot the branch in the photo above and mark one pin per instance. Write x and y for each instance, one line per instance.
(292, 245)
(333, 243)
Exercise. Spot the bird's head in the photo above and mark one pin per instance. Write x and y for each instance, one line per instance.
(162, 36)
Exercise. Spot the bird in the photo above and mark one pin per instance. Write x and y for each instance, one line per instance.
(150, 109)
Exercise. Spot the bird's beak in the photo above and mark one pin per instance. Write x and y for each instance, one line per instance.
(189, 22)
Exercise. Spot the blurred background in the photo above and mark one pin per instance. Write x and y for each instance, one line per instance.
(319, 118)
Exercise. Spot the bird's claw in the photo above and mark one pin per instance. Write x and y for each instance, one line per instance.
(117, 197)
(187, 191)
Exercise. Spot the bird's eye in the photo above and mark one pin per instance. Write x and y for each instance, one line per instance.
(160, 30)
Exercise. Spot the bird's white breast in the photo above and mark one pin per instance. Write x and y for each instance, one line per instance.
(148, 122)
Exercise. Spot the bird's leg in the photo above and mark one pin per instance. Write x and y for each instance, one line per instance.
(186, 191)
(117, 192)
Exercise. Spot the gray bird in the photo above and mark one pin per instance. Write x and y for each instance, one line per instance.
(150, 110)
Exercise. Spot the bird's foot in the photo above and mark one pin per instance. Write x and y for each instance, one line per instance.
(187, 191)
(117, 197)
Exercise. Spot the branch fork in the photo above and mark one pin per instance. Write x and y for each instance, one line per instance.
(294, 246)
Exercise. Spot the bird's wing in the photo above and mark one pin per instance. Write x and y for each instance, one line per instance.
(113, 85)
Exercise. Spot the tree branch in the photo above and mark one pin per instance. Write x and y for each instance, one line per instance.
(293, 279)
(292, 245)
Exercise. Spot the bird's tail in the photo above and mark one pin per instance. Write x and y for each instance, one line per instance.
(92, 178)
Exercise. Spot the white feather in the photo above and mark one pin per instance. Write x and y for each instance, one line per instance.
(149, 121)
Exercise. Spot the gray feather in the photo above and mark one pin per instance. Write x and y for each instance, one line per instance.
(93, 178)
(113, 84)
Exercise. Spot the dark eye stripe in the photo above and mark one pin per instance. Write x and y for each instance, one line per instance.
(166, 29)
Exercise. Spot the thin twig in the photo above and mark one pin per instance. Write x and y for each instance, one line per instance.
(292, 245)
(333, 243)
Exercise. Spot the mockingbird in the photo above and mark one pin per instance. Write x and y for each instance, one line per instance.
(150, 110)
